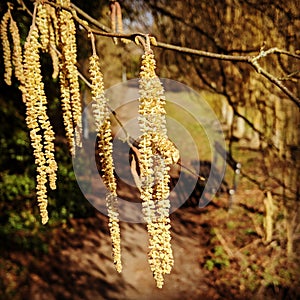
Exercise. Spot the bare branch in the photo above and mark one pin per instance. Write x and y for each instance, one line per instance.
(251, 60)
(274, 80)
(90, 19)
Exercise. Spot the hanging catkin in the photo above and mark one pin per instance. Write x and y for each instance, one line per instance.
(17, 52)
(43, 26)
(154, 166)
(28, 72)
(46, 22)
(6, 48)
(104, 146)
(53, 39)
(41, 133)
(69, 85)
(53, 52)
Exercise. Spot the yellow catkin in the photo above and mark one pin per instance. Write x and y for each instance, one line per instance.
(53, 52)
(47, 24)
(156, 154)
(69, 84)
(43, 26)
(41, 133)
(6, 48)
(167, 149)
(103, 126)
(53, 21)
(17, 52)
(65, 96)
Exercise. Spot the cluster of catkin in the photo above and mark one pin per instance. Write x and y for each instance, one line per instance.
(12, 54)
(49, 32)
(41, 133)
(157, 153)
(53, 31)
(27, 70)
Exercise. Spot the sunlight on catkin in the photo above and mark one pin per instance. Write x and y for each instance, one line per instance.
(157, 153)
(43, 26)
(6, 48)
(17, 51)
(41, 133)
(32, 86)
(69, 85)
(105, 148)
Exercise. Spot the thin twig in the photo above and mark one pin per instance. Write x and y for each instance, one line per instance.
(237, 58)
(33, 25)
(191, 172)
(90, 19)
(93, 43)
(223, 243)
(254, 63)
(24, 7)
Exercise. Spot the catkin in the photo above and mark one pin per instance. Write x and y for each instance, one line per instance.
(103, 125)
(69, 85)
(46, 22)
(53, 52)
(53, 39)
(17, 52)
(53, 21)
(6, 48)
(157, 154)
(43, 26)
(41, 133)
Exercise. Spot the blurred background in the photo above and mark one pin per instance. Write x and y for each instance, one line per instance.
(245, 243)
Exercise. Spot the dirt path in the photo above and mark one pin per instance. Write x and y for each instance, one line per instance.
(79, 265)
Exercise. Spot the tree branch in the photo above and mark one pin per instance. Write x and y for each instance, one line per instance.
(251, 60)
(254, 63)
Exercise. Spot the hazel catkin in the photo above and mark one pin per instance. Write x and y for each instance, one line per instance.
(104, 146)
(43, 26)
(157, 153)
(41, 133)
(17, 51)
(69, 85)
(6, 48)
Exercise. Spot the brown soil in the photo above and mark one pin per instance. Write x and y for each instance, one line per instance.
(78, 263)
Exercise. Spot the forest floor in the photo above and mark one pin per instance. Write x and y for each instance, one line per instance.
(219, 254)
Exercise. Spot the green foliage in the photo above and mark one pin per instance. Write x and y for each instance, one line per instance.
(13, 185)
(231, 225)
(20, 225)
(219, 259)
